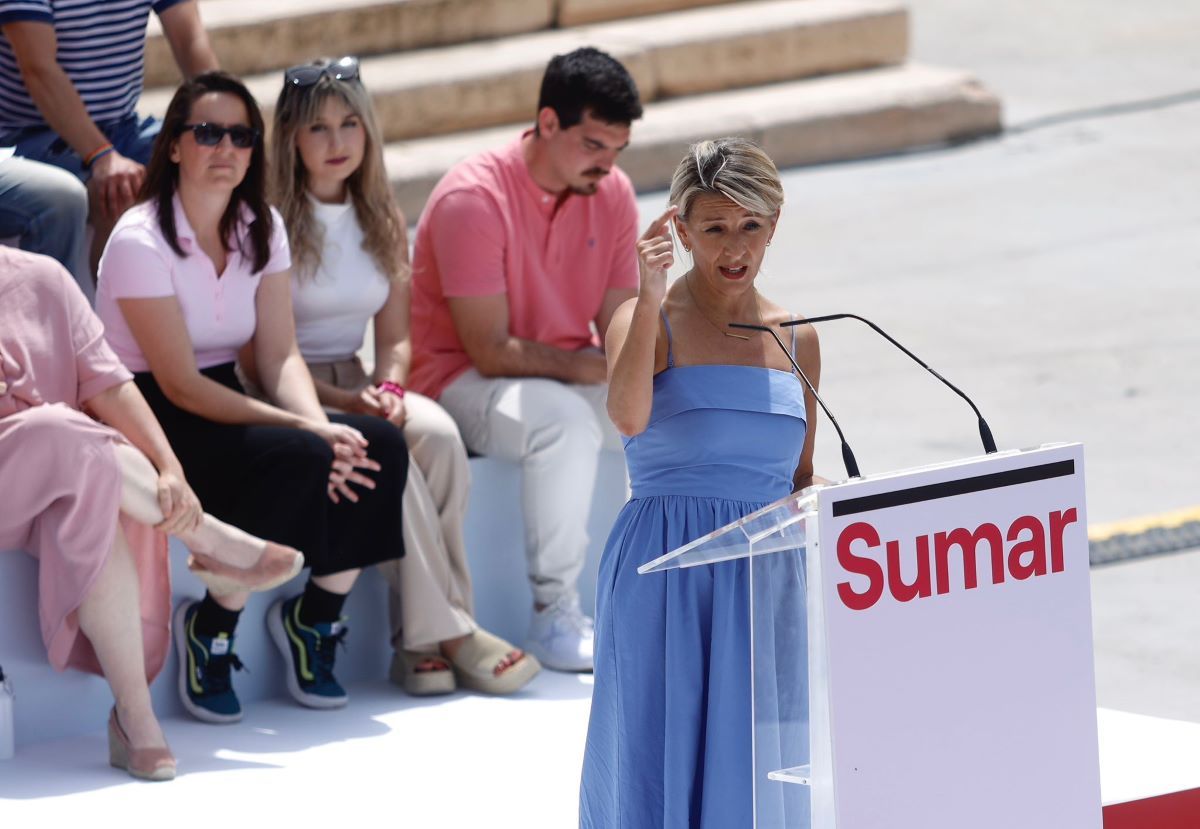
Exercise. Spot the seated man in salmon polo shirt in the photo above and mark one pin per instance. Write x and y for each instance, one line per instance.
(521, 257)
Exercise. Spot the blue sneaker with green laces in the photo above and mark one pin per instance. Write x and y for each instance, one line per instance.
(309, 653)
(205, 664)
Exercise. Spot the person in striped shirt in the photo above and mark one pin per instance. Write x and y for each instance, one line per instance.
(70, 79)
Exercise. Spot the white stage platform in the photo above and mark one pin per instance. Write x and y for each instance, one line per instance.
(385, 760)
(1149, 771)
(457, 761)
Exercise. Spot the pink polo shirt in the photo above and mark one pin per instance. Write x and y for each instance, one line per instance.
(488, 229)
(219, 311)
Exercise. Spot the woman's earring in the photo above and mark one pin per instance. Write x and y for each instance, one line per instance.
(768, 243)
(686, 248)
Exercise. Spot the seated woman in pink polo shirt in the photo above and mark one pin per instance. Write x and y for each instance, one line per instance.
(196, 271)
(84, 500)
(351, 267)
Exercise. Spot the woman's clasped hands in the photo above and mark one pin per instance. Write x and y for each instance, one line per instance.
(349, 456)
(376, 401)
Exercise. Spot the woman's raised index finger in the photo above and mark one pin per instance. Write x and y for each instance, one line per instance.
(659, 225)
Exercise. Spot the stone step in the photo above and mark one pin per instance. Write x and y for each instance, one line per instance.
(579, 12)
(835, 118)
(264, 35)
(259, 36)
(472, 86)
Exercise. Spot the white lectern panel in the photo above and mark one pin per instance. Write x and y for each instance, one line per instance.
(955, 603)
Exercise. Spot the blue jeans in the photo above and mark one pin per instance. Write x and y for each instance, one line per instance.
(130, 136)
(46, 210)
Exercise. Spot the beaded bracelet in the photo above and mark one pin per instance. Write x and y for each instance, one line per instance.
(394, 388)
(96, 154)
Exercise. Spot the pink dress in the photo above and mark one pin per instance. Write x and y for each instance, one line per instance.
(60, 484)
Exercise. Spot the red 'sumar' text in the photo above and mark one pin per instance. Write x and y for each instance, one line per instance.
(1029, 547)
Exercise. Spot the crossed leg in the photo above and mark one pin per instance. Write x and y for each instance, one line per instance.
(220, 549)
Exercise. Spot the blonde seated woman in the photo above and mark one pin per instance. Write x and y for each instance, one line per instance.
(350, 257)
(91, 489)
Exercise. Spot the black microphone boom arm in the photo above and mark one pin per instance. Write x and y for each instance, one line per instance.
(985, 432)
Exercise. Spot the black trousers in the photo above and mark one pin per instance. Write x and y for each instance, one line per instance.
(271, 481)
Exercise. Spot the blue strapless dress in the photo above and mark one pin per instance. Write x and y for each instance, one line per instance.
(669, 739)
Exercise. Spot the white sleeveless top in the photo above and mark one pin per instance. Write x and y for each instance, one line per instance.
(333, 306)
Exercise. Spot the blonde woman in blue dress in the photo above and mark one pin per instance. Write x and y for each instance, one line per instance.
(350, 255)
(716, 425)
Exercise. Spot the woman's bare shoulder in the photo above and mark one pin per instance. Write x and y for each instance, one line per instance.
(773, 313)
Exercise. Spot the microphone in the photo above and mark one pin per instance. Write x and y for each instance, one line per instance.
(847, 454)
(985, 432)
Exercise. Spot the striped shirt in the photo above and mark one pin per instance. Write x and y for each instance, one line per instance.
(101, 47)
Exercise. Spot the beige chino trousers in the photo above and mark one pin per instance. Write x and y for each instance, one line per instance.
(430, 598)
(556, 432)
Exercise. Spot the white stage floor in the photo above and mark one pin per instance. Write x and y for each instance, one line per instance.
(385, 760)
(391, 760)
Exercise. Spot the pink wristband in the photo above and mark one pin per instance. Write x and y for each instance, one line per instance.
(394, 388)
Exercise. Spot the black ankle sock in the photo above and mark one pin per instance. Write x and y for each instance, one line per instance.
(319, 605)
(212, 619)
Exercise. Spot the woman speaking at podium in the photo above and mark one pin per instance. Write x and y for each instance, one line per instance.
(716, 425)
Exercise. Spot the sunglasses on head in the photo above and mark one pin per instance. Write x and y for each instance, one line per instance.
(210, 135)
(342, 69)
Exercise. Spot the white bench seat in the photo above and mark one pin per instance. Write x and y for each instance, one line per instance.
(51, 705)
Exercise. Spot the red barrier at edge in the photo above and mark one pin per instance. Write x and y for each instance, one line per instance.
(1179, 810)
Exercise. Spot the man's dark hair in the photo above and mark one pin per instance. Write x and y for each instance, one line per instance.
(588, 80)
(162, 174)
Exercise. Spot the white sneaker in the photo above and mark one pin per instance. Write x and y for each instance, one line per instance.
(561, 637)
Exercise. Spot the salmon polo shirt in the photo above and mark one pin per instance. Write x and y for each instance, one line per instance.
(219, 311)
(488, 229)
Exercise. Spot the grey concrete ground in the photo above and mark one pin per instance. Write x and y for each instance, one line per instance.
(1147, 632)
(1052, 273)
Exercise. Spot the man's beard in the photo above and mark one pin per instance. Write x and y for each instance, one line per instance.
(589, 188)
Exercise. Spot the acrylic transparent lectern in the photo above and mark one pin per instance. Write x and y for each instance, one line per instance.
(921, 648)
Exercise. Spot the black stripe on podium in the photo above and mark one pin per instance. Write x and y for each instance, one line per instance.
(963, 486)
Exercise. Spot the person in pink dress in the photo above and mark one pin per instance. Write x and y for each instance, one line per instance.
(99, 490)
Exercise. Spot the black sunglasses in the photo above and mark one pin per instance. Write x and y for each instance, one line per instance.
(210, 135)
(342, 69)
